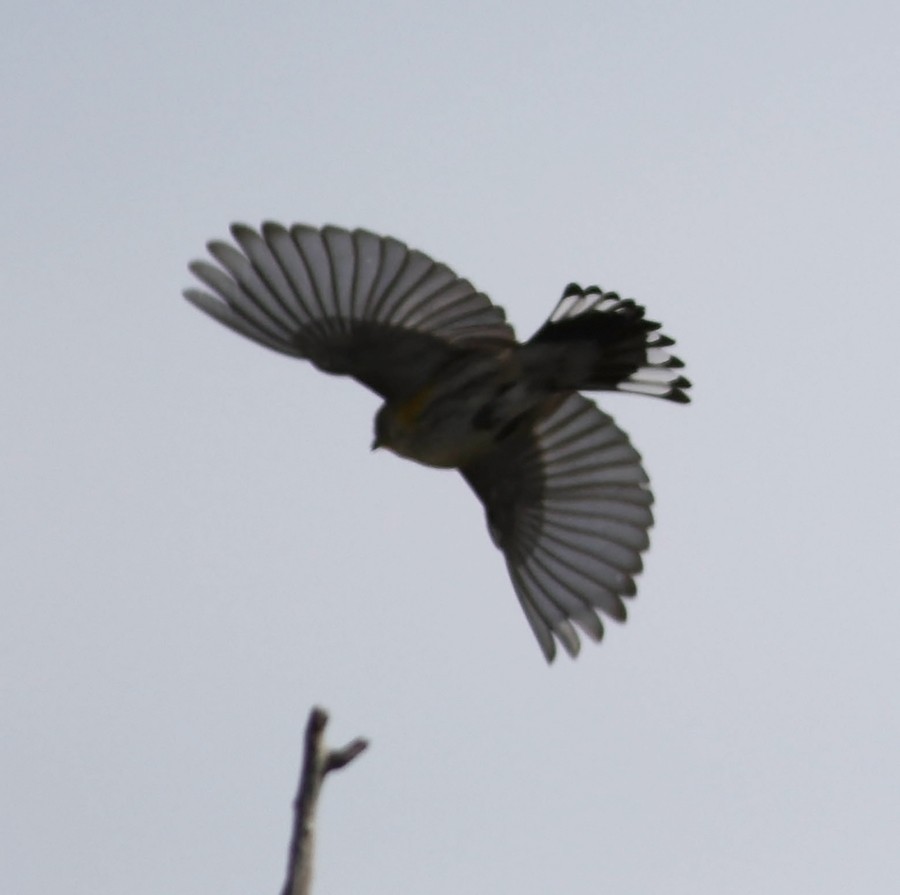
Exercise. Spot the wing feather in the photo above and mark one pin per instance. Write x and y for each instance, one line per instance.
(352, 302)
(568, 504)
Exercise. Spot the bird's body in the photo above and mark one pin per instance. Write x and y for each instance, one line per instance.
(565, 493)
(457, 418)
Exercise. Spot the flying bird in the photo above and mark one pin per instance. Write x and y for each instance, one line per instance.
(565, 494)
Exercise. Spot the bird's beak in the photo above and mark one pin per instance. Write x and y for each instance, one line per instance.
(376, 444)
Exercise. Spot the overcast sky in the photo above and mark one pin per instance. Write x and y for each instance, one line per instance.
(196, 544)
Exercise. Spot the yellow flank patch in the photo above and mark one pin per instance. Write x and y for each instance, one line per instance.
(408, 412)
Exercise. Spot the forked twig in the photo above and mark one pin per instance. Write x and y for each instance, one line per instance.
(318, 761)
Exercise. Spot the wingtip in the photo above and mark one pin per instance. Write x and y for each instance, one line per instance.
(194, 296)
(272, 229)
(239, 229)
(568, 637)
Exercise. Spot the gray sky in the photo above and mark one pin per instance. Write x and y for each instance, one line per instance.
(196, 544)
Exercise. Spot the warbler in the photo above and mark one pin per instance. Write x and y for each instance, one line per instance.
(566, 497)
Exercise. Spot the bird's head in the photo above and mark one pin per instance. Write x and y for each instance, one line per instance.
(387, 429)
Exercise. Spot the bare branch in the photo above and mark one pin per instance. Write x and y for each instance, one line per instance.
(317, 762)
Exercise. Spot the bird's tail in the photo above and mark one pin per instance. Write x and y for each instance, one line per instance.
(595, 340)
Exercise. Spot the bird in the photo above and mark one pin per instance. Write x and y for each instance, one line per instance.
(566, 497)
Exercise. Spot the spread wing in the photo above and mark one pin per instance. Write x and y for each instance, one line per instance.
(567, 502)
(351, 302)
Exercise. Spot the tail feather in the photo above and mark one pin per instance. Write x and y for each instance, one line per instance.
(595, 340)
